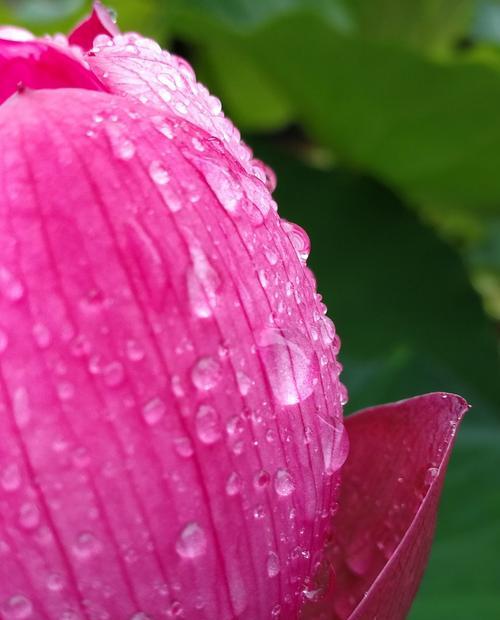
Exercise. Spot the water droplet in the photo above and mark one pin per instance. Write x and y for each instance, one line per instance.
(206, 373)
(175, 610)
(283, 483)
(42, 335)
(153, 411)
(55, 582)
(10, 478)
(208, 424)
(291, 365)
(192, 541)
(113, 374)
(327, 330)
(273, 565)
(299, 239)
(17, 607)
(430, 475)
(259, 513)
(134, 351)
(276, 611)
(244, 383)
(29, 516)
(261, 480)
(21, 407)
(203, 283)
(4, 341)
(184, 447)
(159, 173)
(123, 148)
(65, 390)
(334, 443)
(10, 286)
(233, 484)
(86, 546)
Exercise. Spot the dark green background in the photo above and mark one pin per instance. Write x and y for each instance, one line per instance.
(382, 121)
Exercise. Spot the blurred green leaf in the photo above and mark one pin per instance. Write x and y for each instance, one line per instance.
(463, 578)
(49, 16)
(425, 126)
(419, 23)
(400, 297)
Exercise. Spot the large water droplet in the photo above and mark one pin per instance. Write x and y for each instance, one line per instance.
(208, 424)
(206, 373)
(283, 483)
(334, 444)
(291, 364)
(192, 541)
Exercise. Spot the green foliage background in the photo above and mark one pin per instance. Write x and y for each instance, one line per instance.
(382, 120)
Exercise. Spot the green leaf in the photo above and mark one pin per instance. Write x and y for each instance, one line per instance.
(421, 23)
(253, 99)
(428, 127)
(400, 297)
(48, 16)
(463, 577)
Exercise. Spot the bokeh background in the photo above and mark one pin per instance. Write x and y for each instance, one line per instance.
(382, 121)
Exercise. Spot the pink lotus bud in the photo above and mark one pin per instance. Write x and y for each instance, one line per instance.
(171, 421)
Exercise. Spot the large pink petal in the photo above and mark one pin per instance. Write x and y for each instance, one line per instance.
(135, 66)
(170, 405)
(98, 22)
(40, 64)
(391, 486)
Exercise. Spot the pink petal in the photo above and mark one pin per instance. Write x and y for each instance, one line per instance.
(98, 22)
(132, 65)
(391, 486)
(39, 64)
(169, 396)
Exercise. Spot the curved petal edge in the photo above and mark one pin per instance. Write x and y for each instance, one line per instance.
(389, 499)
(98, 22)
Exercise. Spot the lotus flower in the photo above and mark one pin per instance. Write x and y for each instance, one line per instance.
(172, 436)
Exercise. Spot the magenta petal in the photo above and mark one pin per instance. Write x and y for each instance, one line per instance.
(39, 64)
(391, 485)
(98, 22)
(169, 397)
(137, 67)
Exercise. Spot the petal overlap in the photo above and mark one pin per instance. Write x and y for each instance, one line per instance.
(391, 485)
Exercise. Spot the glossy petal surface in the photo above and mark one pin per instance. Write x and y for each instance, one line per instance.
(169, 396)
(390, 492)
(137, 67)
(98, 22)
(38, 64)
